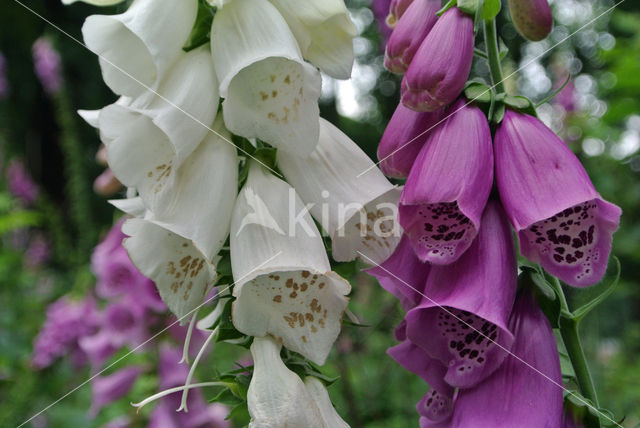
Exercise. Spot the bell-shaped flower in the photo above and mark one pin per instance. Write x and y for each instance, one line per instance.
(448, 186)
(396, 10)
(182, 274)
(270, 92)
(532, 18)
(149, 137)
(348, 195)
(324, 32)
(403, 138)
(441, 65)
(107, 389)
(409, 33)
(283, 281)
(462, 320)
(437, 404)
(277, 397)
(403, 274)
(320, 396)
(137, 47)
(561, 221)
(528, 385)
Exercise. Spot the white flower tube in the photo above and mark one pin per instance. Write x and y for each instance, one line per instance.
(143, 42)
(180, 271)
(276, 396)
(356, 208)
(270, 92)
(321, 397)
(284, 286)
(324, 32)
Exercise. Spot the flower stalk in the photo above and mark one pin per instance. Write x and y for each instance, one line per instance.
(493, 54)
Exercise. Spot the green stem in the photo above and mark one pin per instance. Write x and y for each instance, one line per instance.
(493, 53)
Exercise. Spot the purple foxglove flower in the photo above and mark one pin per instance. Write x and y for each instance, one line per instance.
(561, 221)
(402, 274)
(107, 389)
(20, 183)
(396, 10)
(532, 18)
(441, 65)
(47, 65)
(380, 10)
(448, 186)
(124, 321)
(4, 83)
(409, 33)
(436, 405)
(462, 321)
(67, 322)
(98, 347)
(518, 392)
(37, 253)
(403, 138)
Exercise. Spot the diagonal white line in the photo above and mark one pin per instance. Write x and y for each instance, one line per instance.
(171, 103)
(444, 308)
(149, 340)
(492, 87)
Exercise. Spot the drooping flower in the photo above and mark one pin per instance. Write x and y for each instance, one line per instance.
(462, 320)
(269, 91)
(380, 9)
(448, 186)
(561, 221)
(351, 198)
(20, 183)
(142, 42)
(403, 138)
(528, 385)
(441, 65)
(107, 389)
(284, 286)
(409, 33)
(324, 32)
(403, 274)
(47, 65)
(532, 18)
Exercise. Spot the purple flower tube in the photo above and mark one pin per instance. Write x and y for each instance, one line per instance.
(462, 321)
(448, 186)
(562, 222)
(441, 65)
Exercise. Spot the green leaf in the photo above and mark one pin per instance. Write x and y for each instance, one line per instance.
(200, 33)
(603, 291)
(19, 219)
(490, 9)
(477, 92)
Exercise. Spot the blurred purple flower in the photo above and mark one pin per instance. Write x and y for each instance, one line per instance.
(47, 65)
(380, 11)
(4, 83)
(37, 253)
(67, 322)
(107, 389)
(20, 183)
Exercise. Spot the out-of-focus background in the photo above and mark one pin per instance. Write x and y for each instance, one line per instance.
(52, 216)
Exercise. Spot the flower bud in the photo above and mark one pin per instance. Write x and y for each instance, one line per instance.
(441, 65)
(532, 18)
(396, 10)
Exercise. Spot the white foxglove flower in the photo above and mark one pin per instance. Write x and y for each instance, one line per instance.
(149, 139)
(324, 32)
(284, 286)
(143, 41)
(356, 208)
(321, 397)
(270, 92)
(277, 397)
(180, 271)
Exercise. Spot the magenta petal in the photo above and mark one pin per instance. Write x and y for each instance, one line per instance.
(403, 138)
(107, 389)
(397, 8)
(408, 34)
(441, 65)
(562, 222)
(516, 392)
(478, 289)
(448, 186)
(402, 274)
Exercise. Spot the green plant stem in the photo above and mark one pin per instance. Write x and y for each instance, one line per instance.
(493, 53)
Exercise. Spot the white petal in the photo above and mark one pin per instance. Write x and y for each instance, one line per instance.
(320, 395)
(276, 396)
(90, 116)
(143, 42)
(181, 273)
(347, 200)
(284, 286)
(324, 32)
(131, 206)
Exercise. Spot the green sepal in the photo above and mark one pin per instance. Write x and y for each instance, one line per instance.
(226, 329)
(594, 295)
(448, 5)
(303, 367)
(201, 31)
(469, 7)
(543, 292)
(477, 92)
(554, 92)
(566, 368)
(579, 406)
